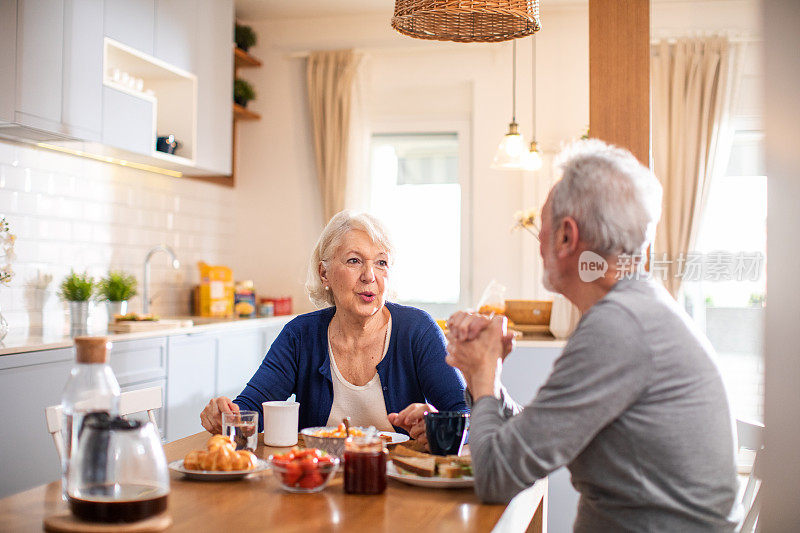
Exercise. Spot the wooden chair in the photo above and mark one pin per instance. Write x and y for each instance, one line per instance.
(527, 511)
(131, 402)
(751, 437)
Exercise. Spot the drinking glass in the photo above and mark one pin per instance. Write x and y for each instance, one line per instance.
(242, 428)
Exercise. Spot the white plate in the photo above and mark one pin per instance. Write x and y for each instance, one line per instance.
(397, 438)
(213, 475)
(435, 482)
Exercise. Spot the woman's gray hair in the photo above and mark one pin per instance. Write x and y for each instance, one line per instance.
(615, 200)
(330, 240)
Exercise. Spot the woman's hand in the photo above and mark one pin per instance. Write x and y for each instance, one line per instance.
(211, 417)
(412, 419)
(480, 357)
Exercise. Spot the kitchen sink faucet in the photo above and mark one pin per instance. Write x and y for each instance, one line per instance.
(146, 283)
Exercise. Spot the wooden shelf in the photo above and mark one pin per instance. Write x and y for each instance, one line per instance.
(243, 59)
(242, 113)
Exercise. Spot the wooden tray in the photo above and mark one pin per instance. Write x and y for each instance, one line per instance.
(134, 326)
(67, 523)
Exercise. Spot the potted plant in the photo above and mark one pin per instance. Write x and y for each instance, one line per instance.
(77, 290)
(116, 289)
(245, 37)
(243, 92)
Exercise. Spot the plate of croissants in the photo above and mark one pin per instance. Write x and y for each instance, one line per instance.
(220, 461)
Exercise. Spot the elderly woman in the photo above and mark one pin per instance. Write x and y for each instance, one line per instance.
(360, 356)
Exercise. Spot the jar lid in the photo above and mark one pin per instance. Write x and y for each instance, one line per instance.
(91, 350)
(364, 444)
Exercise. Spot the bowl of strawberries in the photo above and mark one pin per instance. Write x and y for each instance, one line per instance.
(303, 470)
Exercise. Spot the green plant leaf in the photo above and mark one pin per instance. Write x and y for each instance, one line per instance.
(76, 287)
(118, 286)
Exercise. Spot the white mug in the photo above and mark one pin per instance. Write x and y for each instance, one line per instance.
(281, 420)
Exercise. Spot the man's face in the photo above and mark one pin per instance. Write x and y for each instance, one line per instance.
(547, 250)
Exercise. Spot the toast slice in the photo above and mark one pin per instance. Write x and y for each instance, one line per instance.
(421, 466)
(402, 451)
(450, 471)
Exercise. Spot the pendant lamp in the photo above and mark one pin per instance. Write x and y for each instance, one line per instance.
(512, 151)
(533, 159)
(466, 21)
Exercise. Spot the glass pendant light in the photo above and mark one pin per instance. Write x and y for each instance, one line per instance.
(512, 151)
(533, 159)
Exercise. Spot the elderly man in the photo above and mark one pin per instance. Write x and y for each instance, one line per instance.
(634, 407)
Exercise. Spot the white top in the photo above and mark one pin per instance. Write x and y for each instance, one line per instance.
(364, 404)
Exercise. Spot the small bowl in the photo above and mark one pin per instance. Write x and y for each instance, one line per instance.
(326, 471)
(333, 445)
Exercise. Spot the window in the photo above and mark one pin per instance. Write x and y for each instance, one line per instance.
(731, 312)
(416, 189)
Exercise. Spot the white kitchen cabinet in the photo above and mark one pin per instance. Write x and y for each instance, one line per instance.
(51, 56)
(214, 45)
(39, 68)
(8, 60)
(240, 354)
(191, 383)
(128, 121)
(29, 382)
(138, 361)
(176, 32)
(81, 112)
(131, 22)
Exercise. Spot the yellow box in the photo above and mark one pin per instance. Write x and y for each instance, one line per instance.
(215, 293)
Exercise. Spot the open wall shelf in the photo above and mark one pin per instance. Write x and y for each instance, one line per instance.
(170, 91)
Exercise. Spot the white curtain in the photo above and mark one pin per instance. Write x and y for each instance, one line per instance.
(692, 95)
(335, 97)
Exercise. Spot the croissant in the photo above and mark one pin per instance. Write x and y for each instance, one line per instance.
(245, 460)
(221, 455)
(192, 459)
(220, 441)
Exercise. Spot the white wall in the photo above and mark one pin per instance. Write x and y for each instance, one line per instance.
(70, 212)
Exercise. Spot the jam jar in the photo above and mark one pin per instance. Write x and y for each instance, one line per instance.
(364, 465)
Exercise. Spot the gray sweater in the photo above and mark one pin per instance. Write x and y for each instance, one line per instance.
(635, 408)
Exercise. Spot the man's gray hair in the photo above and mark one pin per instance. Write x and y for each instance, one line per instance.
(330, 240)
(615, 200)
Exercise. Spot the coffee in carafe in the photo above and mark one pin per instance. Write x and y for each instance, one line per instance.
(118, 472)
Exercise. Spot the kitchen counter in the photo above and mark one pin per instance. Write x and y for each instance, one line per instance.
(31, 343)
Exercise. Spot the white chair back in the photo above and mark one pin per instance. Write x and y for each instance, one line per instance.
(130, 402)
(528, 508)
(751, 437)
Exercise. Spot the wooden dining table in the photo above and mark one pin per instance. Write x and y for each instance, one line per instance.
(257, 503)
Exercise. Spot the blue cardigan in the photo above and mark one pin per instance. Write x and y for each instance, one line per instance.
(413, 370)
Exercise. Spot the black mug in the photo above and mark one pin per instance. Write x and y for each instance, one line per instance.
(446, 431)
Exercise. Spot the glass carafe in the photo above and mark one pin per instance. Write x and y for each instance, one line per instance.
(118, 473)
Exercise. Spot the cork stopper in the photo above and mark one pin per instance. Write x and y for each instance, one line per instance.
(91, 350)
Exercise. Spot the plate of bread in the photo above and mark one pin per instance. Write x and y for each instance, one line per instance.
(426, 470)
(220, 461)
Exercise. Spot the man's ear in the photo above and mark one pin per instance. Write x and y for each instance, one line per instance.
(566, 237)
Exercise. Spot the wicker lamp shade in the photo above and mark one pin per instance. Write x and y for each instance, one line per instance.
(466, 21)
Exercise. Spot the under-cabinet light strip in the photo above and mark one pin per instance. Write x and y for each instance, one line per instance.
(112, 160)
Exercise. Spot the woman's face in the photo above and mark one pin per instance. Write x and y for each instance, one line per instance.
(357, 275)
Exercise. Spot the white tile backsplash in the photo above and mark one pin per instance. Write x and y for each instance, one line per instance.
(75, 213)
